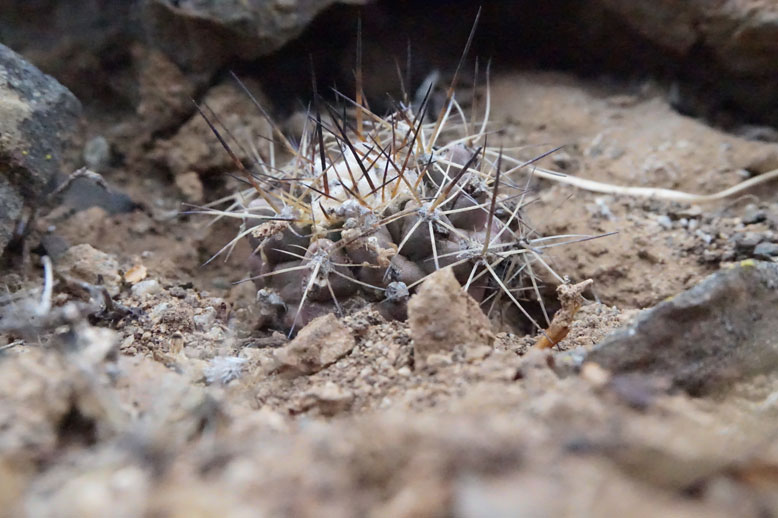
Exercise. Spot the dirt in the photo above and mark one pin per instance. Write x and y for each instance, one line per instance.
(192, 410)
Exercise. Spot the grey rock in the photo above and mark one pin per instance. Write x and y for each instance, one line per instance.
(85, 44)
(766, 250)
(38, 119)
(746, 241)
(201, 35)
(721, 331)
(97, 153)
(753, 214)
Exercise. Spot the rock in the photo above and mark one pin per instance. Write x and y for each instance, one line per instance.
(190, 186)
(329, 399)
(746, 241)
(443, 317)
(205, 320)
(763, 161)
(166, 93)
(97, 154)
(195, 149)
(766, 251)
(38, 119)
(146, 288)
(35, 395)
(740, 34)
(735, 39)
(753, 214)
(719, 332)
(87, 264)
(320, 343)
(203, 35)
(135, 274)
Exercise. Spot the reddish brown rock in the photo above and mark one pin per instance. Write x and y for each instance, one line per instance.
(322, 342)
(443, 317)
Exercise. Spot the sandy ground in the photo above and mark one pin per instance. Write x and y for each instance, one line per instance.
(494, 431)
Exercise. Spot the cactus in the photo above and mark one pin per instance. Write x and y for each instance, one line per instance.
(370, 206)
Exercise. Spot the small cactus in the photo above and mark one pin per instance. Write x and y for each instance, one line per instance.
(371, 206)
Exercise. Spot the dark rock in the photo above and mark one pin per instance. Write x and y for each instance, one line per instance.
(721, 331)
(85, 44)
(753, 214)
(740, 34)
(201, 35)
(727, 48)
(766, 250)
(38, 119)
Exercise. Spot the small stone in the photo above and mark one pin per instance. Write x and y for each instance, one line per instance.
(711, 256)
(190, 186)
(404, 371)
(746, 241)
(665, 222)
(146, 288)
(693, 211)
(177, 343)
(753, 214)
(595, 374)
(97, 154)
(320, 343)
(87, 264)
(443, 317)
(135, 274)
(478, 353)
(564, 162)
(437, 360)
(766, 250)
(328, 399)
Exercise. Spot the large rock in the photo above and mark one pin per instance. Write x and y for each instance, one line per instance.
(724, 51)
(202, 34)
(85, 44)
(38, 117)
(722, 331)
(743, 34)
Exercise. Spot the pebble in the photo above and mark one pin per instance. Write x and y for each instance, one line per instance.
(746, 241)
(441, 317)
(97, 154)
(88, 264)
(206, 319)
(753, 214)
(665, 222)
(320, 343)
(146, 288)
(766, 250)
